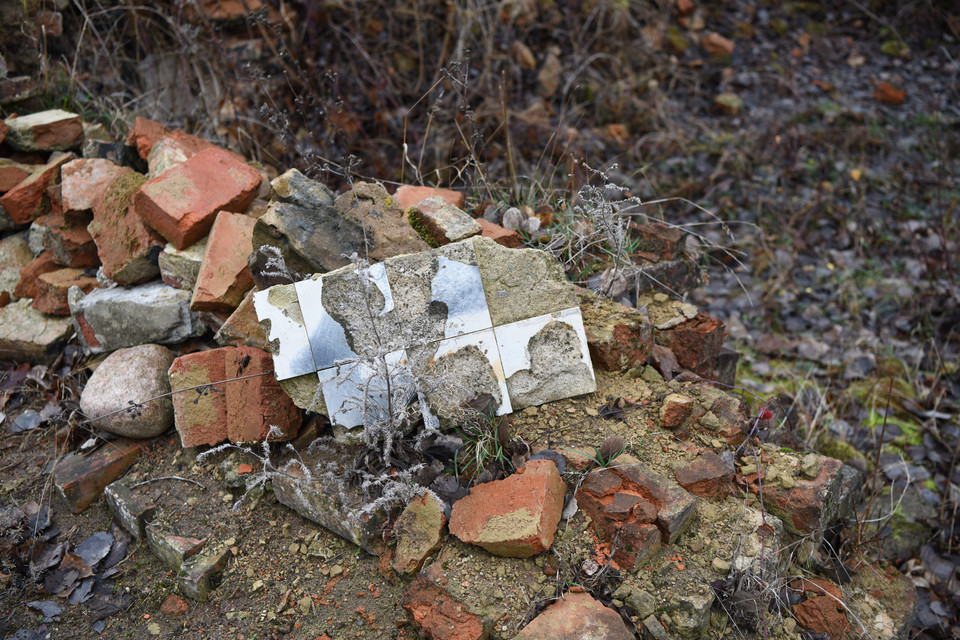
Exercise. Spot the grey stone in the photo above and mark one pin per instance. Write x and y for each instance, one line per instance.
(642, 602)
(36, 236)
(180, 267)
(690, 613)
(439, 222)
(202, 573)
(14, 255)
(419, 531)
(512, 219)
(295, 188)
(26, 335)
(110, 319)
(131, 512)
(132, 375)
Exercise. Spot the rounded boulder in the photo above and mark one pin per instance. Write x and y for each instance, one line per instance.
(136, 375)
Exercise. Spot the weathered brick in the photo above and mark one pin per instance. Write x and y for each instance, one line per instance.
(662, 241)
(25, 202)
(618, 337)
(13, 173)
(410, 195)
(52, 288)
(200, 415)
(697, 343)
(69, 242)
(440, 223)
(243, 328)
(505, 237)
(15, 255)
(180, 267)
(131, 511)
(144, 134)
(127, 247)
(707, 476)
(809, 506)
(172, 549)
(81, 479)
(436, 613)
(674, 409)
(224, 276)
(573, 617)
(26, 335)
(419, 532)
(53, 130)
(82, 181)
(531, 500)
(182, 203)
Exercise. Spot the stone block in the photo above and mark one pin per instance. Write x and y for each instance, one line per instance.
(224, 277)
(130, 511)
(242, 329)
(182, 203)
(133, 375)
(575, 616)
(26, 335)
(202, 573)
(81, 478)
(15, 256)
(504, 237)
(111, 319)
(409, 195)
(436, 613)
(180, 267)
(25, 202)
(82, 181)
(170, 548)
(127, 247)
(240, 410)
(419, 532)
(27, 284)
(13, 173)
(292, 187)
(52, 289)
(619, 337)
(440, 223)
(69, 242)
(52, 130)
(673, 277)
(516, 517)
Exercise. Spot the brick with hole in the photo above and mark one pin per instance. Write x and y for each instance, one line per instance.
(182, 203)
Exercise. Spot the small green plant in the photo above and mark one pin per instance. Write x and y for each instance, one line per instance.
(486, 439)
(608, 451)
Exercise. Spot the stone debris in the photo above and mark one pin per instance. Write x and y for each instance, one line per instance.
(516, 517)
(119, 395)
(318, 300)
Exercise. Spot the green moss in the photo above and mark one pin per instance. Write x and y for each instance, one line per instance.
(416, 221)
(838, 449)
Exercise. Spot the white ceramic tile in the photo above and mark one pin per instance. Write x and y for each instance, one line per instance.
(294, 357)
(357, 389)
(328, 340)
(460, 288)
(512, 339)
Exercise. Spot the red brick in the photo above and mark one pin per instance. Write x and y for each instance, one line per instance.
(619, 337)
(182, 203)
(810, 506)
(667, 243)
(224, 275)
(146, 133)
(674, 409)
(69, 242)
(238, 410)
(707, 476)
(697, 343)
(45, 131)
(200, 415)
(13, 173)
(639, 508)
(52, 290)
(83, 180)
(174, 606)
(127, 247)
(27, 286)
(409, 195)
(573, 617)
(437, 614)
(505, 237)
(531, 500)
(254, 405)
(24, 202)
(80, 479)
(824, 610)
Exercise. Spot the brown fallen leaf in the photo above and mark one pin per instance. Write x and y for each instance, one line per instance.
(889, 94)
(717, 46)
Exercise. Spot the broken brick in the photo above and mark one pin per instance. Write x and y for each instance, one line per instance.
(172, 549)
(25, 202)
(52, 288)
(505, 237)
(440, 223)
(665, 242)
(182, 203)
(573, 617)
(130, 511)
(419, 532)
(437, 613)
(180, 267)
(13, 173)
(823, 611)
(618, 337)
(531, 500)
(809, 506)
(707, 476)
(199, 414)
(202, 573)
(69, 242)
(674, 409)
(82, 181)
(126, 246)
(697, 343)
(81, 478)
(52, 130)
(224, 276)
(144, 134)
(409, 195)
(243, 328)
(27, 286)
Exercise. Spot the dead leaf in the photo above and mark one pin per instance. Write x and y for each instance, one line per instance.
(523, 55)
(717, 46)
(889, 94)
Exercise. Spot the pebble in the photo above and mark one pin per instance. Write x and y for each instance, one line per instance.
(720, 566)
(154, 629)
(258, 585)
(592, 412)
(336, 570)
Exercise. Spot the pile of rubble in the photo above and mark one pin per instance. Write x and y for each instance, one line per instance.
(641, 503)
